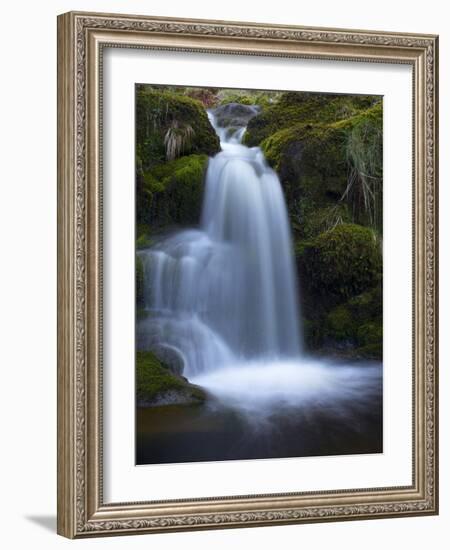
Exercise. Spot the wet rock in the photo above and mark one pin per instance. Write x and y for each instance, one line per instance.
(157, 385)
(234, 114)
(170, 357)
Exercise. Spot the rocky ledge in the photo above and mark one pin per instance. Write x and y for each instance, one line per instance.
(161, 383)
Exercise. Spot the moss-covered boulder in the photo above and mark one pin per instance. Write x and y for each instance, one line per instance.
(171, 194)
(340, 275)
(299, 108)
(173, 141)
(357, 325)
(170, 357)
(263, 99)
(156, 385)
(168, 122)
(312, 160)
(143, 237)
(342, 262)
(311, 222)
(327, 151)
(348, 330)
(311, 164)
(370, 340)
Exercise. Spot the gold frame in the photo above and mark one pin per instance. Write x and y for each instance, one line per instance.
(81, 38)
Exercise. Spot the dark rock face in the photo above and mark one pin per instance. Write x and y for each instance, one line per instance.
(172, 397)
(234, 115)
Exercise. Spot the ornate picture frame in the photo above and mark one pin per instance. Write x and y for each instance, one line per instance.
(82, 38)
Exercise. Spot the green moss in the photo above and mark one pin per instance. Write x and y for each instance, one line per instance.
(316, 135)
(174, 192)
(311, 163)
(340, 324)
(368, 305)
(340, 275)
(369, 333)
(248, 97)
(356, 324)
(365, 158)
(152, 377)
(300, 108)
(154, 380)
(320, 164)
(153, 184)
(163, 113)
(343, 324)
(236, 98)
(157, 110)
(343, 262)
(310, 222)
(143, 241)
(371, 351)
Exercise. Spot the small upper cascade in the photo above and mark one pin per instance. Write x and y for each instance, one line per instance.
(230, 121)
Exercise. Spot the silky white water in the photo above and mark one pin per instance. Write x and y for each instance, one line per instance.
(261, 389)
(226, 292)
(225, 296)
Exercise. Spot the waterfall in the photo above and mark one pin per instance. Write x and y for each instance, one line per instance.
(226, 293)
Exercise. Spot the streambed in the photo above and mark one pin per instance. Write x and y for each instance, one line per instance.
(272, 412)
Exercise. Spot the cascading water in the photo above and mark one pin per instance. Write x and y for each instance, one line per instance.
(224, 299)
(226, 293)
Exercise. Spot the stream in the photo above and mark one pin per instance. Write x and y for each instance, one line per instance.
(225, 297)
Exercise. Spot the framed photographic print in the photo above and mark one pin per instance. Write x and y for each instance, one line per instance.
(247, 276)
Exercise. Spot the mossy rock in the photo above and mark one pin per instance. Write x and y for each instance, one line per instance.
(156, 385)
(356, 325)
(371, 351)
(172, 193)
(341, 263)
(316, 157)
(248, 97)
(370, 333)
(143, 239)
(304, 107)
(157, 111)
(343, 327)
(310, 222)
(340, 324)
(162, 177)
(311, 158)
(340, 277)
(368, 305)
(237, 98)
